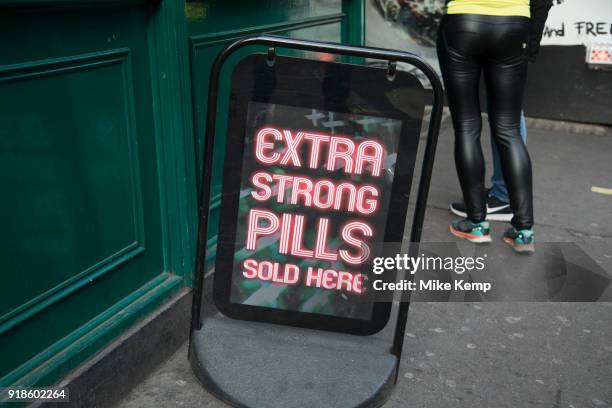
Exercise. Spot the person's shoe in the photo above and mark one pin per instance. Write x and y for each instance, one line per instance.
(496, 210)
(520, 240)
(473, 232)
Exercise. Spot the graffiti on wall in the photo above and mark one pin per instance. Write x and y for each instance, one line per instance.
(408, 25)
(411, 25)
(419, 18)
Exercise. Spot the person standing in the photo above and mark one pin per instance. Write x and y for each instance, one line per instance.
(488, 37)
(498, 201)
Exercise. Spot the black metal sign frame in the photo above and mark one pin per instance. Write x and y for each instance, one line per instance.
(380, 54)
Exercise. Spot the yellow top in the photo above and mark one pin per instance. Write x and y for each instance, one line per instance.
(489, 7)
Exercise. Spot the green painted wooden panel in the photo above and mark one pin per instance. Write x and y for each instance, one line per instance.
(69, 171)
(102, 109)
(211, 27)
(219, 16)
(78, 173)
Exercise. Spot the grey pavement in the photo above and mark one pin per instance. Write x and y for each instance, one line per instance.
(492, 354)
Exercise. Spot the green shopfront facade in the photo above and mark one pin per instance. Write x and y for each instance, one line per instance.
(102, 118)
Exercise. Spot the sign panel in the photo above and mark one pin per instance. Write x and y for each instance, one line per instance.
(319, 163)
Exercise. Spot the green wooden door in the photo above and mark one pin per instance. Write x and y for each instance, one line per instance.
(82, 217)
(102, 110)
(212, 25)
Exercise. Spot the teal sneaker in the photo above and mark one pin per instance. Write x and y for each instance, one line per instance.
(520, 240)
(473, 232)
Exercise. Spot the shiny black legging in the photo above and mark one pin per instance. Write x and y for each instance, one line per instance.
(469, 44)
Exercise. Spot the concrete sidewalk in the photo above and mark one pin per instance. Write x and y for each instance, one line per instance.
(492, 354)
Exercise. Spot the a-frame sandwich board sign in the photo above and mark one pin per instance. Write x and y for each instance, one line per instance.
(318, 160)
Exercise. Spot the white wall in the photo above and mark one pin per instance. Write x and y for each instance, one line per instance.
(575, 22)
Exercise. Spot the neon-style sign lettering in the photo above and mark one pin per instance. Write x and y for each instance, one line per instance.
(290, 230)
(322, 194)
(283, 147)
